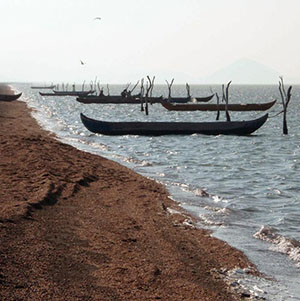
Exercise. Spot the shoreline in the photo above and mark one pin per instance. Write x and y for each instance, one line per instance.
(76, 226)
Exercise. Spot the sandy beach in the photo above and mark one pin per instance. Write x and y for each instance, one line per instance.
(76, 226)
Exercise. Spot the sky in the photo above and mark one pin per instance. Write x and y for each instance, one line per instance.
(188, 40)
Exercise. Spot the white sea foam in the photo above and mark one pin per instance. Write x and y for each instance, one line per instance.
(173, 211)
(218, 199)
(280, 244)
(137, 162)
(218, 210)
(200, 192)
(208, 220)
(241, 281)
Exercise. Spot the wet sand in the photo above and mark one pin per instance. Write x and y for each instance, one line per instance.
(76, 226)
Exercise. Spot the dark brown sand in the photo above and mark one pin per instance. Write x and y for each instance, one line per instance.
(75, 226)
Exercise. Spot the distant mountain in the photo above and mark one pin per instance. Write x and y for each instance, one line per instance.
(244, 71)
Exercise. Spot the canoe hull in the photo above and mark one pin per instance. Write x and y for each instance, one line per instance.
(43, 87)
(73, 93)
(189, 99)
(65, 93)
(173, 128)
(9, 97)
(221, 107)
(115, 99)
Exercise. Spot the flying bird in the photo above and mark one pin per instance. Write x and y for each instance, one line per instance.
(97, 18)
(81, 62)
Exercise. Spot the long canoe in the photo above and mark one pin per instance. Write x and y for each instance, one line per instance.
(115, 99)
(190, 99)
(66, 93)
(73, 93)
(215, 107)
(9, 97)
(135, 99)
(173, 128)
(43, 87)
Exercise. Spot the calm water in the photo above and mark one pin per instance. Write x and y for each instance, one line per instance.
(252, 182)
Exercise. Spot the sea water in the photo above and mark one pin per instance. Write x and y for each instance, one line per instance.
(252, 183)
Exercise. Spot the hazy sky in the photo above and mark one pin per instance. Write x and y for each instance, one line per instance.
(44, 40)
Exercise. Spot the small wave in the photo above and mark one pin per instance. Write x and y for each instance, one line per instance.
(218, 199)
(94, 145)
(218, 210)
(173, 211)
(137, 162)
(187, 221)
(253, 287)
(274, 192)
(100, 146)
(280, 243)
(208, 220)
(200, 192)
(183, 186)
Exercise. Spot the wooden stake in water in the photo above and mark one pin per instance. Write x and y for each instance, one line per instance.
(285, 99)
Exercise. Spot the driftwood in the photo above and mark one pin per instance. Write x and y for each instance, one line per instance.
(145, 99)
(134, 87)
(149, 88)
(218, 102)
(225, 97)
(94, 87)
(152, 83)
(285, 99)
(218, 110)
(188, 90)
(169, 87)
(127, 87)
(142, 94)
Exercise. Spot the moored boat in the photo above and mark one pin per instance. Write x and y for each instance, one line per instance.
(10, 97)
(43, 87)
(136, 99)
(67, 93)
(190, 99)
(73, 93)
(116, 99)
(173, 128)
(192, 106)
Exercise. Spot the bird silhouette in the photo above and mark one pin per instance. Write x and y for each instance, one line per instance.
(97, 18)
(81, 62)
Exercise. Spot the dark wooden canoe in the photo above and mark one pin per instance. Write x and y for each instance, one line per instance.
(190, 99)
(115, 99)
(47, 94)
(215, 107)
(135, 99)
(65, 93)
(173, 128)
(43, 87)
(9, 97)
(73, 93)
